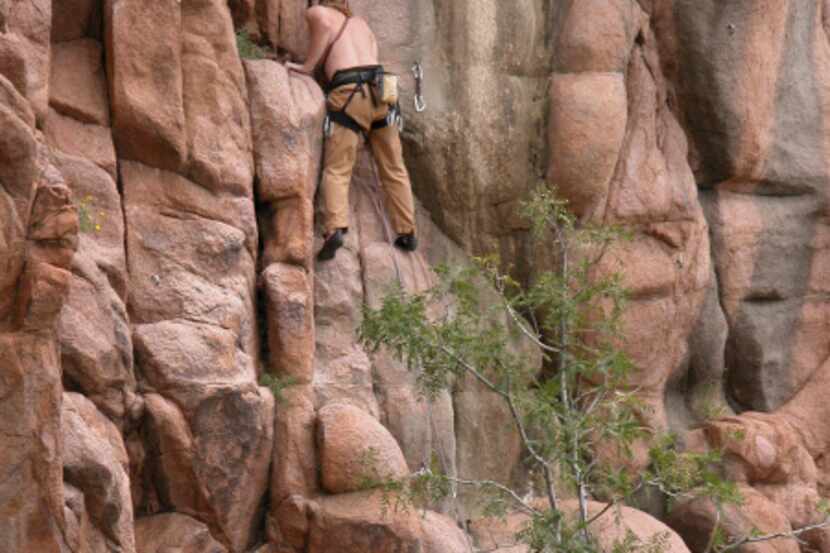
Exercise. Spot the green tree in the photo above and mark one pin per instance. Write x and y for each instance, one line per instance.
(580, 401)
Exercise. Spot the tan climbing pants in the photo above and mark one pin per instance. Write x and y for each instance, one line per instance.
(341, 154)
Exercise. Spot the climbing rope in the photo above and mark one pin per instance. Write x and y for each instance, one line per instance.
(437, 445)
(374, 194)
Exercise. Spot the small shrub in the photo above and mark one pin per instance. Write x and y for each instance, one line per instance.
(248, 49)
(277, 385)
(88, 220)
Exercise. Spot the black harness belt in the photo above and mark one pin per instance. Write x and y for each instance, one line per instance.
(355, 75)
(360, 76)
(342, 119)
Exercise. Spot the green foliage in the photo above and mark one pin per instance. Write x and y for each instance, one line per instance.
(706, 404)
(578, 402)
(88, 219)
(683, 474)
(247, 48)
(277, 384)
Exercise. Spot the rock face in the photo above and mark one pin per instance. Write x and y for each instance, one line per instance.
(161, 533)
(765, 178)
(38, 238)
(99, 512)
(611, 530)
(176, 371)
(359, 522)
(355, 449)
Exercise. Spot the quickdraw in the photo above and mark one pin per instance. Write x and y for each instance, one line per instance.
(418, 73)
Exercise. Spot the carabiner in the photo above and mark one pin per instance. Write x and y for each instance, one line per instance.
(418, 73)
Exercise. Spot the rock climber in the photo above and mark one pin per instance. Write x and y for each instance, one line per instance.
(344, 52)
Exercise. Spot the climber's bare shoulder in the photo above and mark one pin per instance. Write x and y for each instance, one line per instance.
(356, 48)
(357, 45)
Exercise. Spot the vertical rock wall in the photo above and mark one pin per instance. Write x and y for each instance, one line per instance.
(38, 237)
(157, 240)
(183, 137)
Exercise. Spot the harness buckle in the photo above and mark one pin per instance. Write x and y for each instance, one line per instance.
(395, 118)
(327, 126)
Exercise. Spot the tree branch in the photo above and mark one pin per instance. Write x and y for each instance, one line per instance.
(526, 331)
(523, 505)
(766, 537)
(713, 536)
(604, 510)
(549, 484)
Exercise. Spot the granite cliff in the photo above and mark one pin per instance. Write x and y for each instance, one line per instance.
(157, 230)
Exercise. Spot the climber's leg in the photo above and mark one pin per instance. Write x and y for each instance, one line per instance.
(341, 152)
(386, 147)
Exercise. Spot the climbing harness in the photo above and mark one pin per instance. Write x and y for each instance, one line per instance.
(418, 73)
(360, 77)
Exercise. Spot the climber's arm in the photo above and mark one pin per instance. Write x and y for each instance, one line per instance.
(320, 36)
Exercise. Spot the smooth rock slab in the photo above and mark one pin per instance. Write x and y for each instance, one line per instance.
(355, 450)
(75, 138)
(78, 85)
(587, 125)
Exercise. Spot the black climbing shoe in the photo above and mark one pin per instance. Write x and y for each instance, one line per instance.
(407, 242)
(331, 245)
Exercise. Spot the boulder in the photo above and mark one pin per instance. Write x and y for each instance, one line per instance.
(694, 521)
(597, 36)
(611, 530)
(290, 322)
(95, 464)
(169, 458)
(442, 535)
(52, 241)
(287, 113)
(186, 361)
(367, 522)
(233, 439)
(355, 450)
(18, 151)
(174, 532)
(143, 44)
(191, 254)
(587, 126)
(211, 461)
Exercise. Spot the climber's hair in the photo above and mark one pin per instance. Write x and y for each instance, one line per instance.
(340, 5)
